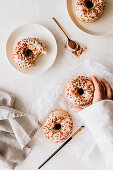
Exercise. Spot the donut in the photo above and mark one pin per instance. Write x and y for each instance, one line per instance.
(58, 126)
(26, 52)
(89, 10)
(80, 91)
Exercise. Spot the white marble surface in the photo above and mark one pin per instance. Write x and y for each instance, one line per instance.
(26, 88)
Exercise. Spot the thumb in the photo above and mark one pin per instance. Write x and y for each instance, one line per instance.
(77, 109)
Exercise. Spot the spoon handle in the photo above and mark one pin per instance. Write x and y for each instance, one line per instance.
(60, 27)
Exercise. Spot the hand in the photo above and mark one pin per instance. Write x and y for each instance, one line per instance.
(102, 91)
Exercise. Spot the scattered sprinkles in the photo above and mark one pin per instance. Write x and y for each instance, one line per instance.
(75, 87)
(64, 123)
(89, 10)
(65, 44)
(26, 52)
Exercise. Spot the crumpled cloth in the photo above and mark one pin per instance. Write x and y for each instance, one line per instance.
(16, 130)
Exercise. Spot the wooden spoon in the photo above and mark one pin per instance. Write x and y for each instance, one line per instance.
(72, 44)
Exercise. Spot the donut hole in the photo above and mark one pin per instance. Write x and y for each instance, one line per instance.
(89, 4)
(81, 91)
(28, 52)
(57, 126)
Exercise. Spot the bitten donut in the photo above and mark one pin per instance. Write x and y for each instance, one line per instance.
(26, 52)
(79, 91)
(89, 10)
(58, 126)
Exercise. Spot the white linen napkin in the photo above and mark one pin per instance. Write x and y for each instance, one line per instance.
(53, 98)
(16, 130)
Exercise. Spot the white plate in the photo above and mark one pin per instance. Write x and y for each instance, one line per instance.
(33, 30)
(103, 26)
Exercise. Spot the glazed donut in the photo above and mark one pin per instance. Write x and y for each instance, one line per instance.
(26, 52)
(89, 10)
(79, 91)
(58, 126)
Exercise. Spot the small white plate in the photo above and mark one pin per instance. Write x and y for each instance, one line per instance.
(103, 26)
(43, 62)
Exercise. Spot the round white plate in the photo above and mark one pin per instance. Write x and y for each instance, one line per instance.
(43, 62)
(103, 26)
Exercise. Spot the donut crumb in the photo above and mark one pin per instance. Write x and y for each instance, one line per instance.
(78, 52)
(65, 44)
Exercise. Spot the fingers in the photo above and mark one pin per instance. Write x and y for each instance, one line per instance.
(98, 90)
(109, 91)
(77, 109)
(96, 83)
(103, 90)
